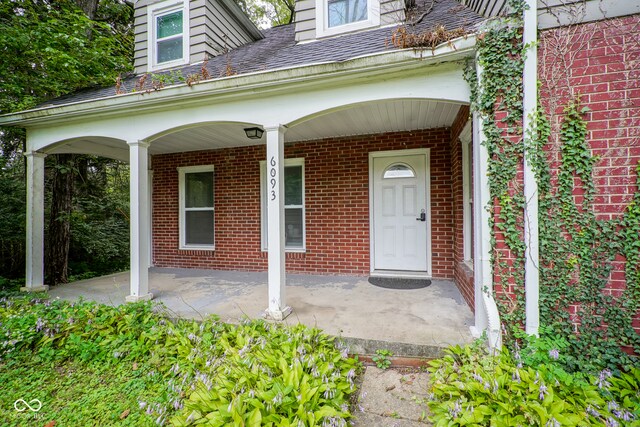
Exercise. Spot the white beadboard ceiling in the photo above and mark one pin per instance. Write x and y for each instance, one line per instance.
(378, 117)
(362, 119)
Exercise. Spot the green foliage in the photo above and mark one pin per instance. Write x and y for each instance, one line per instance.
(255, 373)
(470, 387)
(577, 249)
(50, 48)
(497, 98)
(53, 48)
(74, 393)
(576, 256)
(99, 222)
(268, 13)
(382, 358)
(12, 218)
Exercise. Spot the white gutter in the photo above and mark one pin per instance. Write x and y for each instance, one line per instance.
(487, 317)
(530, 102)
(248, 84)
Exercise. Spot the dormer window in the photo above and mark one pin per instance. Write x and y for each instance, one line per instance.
(169, 32)
(343, 12)
(342, 16)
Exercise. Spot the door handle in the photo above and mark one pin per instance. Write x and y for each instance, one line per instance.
(422, 217)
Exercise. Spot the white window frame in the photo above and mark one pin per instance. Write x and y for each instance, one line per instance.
(322, 19)
(263, 205)
(182, 171)
(467, 195)
(155, 11)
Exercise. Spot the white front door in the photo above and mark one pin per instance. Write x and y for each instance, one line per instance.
(400, 211)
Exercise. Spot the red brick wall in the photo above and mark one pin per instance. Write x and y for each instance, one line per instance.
(463, 275)
(601, 62)
(337, 204)
(604, 69)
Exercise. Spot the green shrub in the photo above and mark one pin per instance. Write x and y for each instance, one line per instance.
(255, 373)
(470, 387)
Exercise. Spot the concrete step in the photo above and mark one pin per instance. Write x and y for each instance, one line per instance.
(364, 347)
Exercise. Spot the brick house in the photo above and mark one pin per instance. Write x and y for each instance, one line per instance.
(316, 147)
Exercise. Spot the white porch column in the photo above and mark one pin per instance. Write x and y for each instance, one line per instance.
(530, 103)
(139, 221)
(278, 308)
(35, 223)
(487, 317)
(481, 262)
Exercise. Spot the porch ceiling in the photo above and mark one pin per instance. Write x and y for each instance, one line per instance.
(379, 117)
(98, 146)
(205, 137)
(370, 118)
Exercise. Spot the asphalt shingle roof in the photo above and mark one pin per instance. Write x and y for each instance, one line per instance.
(278, 49)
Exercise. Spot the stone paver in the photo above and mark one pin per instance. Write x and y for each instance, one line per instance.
(392, 398)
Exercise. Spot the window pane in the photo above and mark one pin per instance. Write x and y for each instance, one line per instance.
(169, 50)
(337, 12)
(293, 185)
(199, 190)
(346, 11)
(199, 227)
(399, 171)
(293, 227)
(169, 25)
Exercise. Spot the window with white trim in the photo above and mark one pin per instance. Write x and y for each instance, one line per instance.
(196, 194)
(168, 38)
(339, 16)
(294, 209)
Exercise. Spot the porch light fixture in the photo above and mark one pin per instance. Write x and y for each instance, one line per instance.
(253, 133)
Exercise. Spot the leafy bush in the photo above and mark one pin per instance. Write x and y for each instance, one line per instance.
(470, 387)
(9, 287)
(255, 373)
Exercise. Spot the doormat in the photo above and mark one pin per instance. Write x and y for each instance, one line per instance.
(399, 283)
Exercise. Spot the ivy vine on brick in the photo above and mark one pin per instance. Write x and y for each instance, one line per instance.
(577, 248)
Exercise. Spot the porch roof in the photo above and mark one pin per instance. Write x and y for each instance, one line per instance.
(278, 50)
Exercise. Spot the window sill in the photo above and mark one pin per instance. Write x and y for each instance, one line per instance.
(197, 248)
(167, 65)
(346, 28)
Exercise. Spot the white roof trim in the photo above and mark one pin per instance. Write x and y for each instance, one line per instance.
(460, 48)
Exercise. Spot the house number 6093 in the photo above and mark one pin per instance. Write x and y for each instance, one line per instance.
(273, 181)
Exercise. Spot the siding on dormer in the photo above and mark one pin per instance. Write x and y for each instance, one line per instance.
(212, 29)
(305, 20)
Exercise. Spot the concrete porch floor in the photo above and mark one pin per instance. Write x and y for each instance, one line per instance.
(413, 322)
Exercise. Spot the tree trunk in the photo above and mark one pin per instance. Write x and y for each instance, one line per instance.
(58, 239)
(59, 232)
(89, 7)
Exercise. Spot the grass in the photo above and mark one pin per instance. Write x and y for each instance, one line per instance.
(75, 393)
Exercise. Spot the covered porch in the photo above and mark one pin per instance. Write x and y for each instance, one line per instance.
(346, 306)
(370, 148)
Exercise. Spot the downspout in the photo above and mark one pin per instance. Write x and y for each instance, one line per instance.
(530, 102)
(487, 317)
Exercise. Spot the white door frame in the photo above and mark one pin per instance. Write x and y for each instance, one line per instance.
(427, 175)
